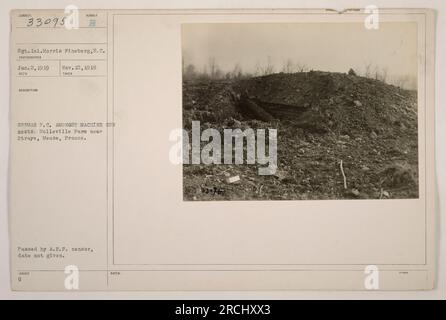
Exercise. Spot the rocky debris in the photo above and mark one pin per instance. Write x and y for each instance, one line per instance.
(233, 179)
(377, 141)
(399, 175)
(251, 109)
(384, 194)
(373, 135)
(280, 174)
(327, 101)
(357, 103)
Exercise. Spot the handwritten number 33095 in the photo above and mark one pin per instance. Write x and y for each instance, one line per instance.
(52, 22)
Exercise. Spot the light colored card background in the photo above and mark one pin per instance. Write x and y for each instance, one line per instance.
(249, 246)
(440, 292)
(261, 233)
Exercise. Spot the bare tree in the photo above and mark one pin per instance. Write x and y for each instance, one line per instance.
(214, 70)
(300, 67)
(204, 73)
(263, 70)
(375, 72)
(401, 81)
(368, 70)
(384, 73)
(258, 69)
(237, 72)
(190, 72)
(288, 66)
(212, 67)
(269, 68)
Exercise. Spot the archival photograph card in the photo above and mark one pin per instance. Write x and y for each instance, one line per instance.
(222, 150)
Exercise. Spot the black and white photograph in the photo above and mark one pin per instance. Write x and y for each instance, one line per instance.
(299, 111)
(235, 153)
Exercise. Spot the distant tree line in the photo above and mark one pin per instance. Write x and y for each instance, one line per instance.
(373, 71)
(213, 71)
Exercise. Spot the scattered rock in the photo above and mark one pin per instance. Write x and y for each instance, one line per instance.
(280, 174)
(314, 98)
(237, 124)
(399, 175)
(233, 179)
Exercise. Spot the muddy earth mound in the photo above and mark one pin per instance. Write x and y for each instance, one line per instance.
(323, 119)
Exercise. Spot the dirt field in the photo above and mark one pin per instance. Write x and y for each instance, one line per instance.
(322, 119)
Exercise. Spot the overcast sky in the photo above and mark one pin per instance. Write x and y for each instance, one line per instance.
(320, 46)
